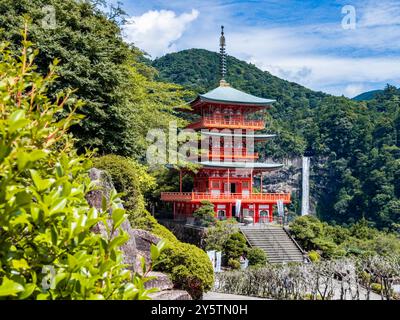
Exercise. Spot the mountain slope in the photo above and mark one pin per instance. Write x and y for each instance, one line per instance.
(199, 69)
(369, 95)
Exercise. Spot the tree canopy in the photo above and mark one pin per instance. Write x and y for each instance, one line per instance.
(122, 100)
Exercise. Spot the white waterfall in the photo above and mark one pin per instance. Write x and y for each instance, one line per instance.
(305, 187)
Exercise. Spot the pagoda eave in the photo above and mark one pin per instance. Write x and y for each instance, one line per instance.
(230, 96)
(255, 166)
(256, 137)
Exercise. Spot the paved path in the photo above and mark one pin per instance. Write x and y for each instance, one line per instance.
(225, 296)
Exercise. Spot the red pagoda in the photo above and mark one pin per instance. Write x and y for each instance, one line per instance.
(227, 122)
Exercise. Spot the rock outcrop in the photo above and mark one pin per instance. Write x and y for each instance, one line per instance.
(137, 246)
(104, 183)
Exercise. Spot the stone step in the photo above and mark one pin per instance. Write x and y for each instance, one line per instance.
(170, 295)
(269, 242)
(162, 281)
(273, 256)
(276, 252)
(276, 248)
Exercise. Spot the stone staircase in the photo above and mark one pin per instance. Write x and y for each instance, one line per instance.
(273, 239)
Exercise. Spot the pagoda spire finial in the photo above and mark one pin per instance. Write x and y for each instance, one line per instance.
(222, 44)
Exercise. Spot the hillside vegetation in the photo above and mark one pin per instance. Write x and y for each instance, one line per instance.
(121, 99)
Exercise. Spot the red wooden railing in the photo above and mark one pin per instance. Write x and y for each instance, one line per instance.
(232, 156)
(228, 123)
(199, 196)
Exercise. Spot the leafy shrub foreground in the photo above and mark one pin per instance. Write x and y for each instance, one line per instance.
(47, 247)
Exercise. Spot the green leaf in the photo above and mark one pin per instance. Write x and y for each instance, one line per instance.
(17, 120)
(43, 296)
(118, 216)
(143, 264)
(96, 297)
(154, 253)
(20, 264)
(29, 288)
(103, 203)
(161, 245)
(72, 261)
(24, 158)
(54, 234)
(4, 152)
(23, 199)
(118, 241)
(58, 206)
(10, 288)
(40, 184)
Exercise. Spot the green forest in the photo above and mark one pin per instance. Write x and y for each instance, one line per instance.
(77, 96)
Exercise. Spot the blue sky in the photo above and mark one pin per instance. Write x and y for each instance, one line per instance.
(301, 41)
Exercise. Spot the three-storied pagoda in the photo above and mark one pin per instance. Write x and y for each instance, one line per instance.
(227, 124)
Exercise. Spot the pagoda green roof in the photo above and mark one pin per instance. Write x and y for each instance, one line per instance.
(227, 94)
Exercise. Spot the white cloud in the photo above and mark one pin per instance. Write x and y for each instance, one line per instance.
(156, 32)
(321, 56)
(380, 13)
(333, 74)
(353, 90)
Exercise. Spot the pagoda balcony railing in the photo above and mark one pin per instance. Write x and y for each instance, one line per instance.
(232, 155)
(231, 150)
(235, 123)
(199, 196)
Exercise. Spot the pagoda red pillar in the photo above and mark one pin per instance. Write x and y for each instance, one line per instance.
(271, 215)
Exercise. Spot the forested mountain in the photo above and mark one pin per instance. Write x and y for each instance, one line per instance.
(355, 145)
(369, 95)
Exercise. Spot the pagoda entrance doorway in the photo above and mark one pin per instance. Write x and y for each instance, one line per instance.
(221, 214)
(234, 214)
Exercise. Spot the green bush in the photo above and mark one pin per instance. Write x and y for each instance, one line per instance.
(235, 246)
(205, 214)
(47, 247)
(336, 241)
(130, 178)
(216, 236)
(305, 229)
(376, 287)
(256, 257)
(234, 263)
(189, 267)
(328, 248)
(314, 256)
